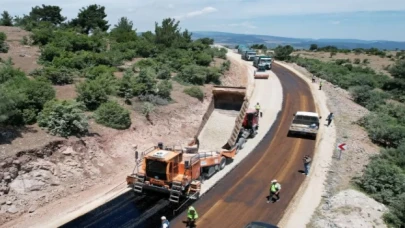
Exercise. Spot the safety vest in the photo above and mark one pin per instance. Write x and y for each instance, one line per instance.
(274, 187)
(189, 215)
(257, 107)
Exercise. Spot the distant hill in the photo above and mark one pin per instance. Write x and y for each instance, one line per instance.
(299, 43)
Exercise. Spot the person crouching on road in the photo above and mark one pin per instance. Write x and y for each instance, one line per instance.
(307, 164)
(165, 222)
(275, 188)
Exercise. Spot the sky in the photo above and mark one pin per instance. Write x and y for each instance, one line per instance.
(346, 19)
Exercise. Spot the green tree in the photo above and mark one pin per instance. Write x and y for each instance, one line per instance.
(63, 118)
(6, 19)
(398, 70)
(123, 31)
(195, 91)
(283, 52)
(164, 89)
(168, 33)
(145, 82)
(111, 114)
(313, 47)
(91, 18)
(3, 44)
(47, 13)
(92, 94)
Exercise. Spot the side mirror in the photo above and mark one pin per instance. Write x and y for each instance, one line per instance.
(186, 164)
(320, 117)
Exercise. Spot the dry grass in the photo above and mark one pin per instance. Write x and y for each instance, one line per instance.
(375, 62)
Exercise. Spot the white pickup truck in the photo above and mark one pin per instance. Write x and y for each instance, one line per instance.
(305, 123)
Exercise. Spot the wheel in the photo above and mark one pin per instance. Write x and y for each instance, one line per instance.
(222, 163)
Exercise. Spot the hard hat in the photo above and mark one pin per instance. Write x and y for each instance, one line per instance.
(274, 181)
(191, 208)
(163, 218)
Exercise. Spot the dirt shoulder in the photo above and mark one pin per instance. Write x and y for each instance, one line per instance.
(66, 177)
(316, 203)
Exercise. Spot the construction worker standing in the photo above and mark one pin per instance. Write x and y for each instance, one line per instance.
(191, 216)
(307, 164)
(165, 222)
(257, 107)
(320, 84)
(275, 188)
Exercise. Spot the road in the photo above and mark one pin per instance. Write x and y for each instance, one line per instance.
(240, 197)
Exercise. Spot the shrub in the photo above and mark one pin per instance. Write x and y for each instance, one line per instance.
(366, 61)
(145, 82)
(92, 94)
(203, 59)
(27, 99)
(164, 89)
(111, 114)
(225, 66)
(213, 75)
(398, 70)
(164, 73)
(3, 45)
(7, 72)
(95, 71)
(195, 91)
(147, 109)
(146, 63)
(382, 180)
(154, 99)
(63, 118)
(283, 53)
(356, 61)
(58, 76)
(193, 74)
(367, 97)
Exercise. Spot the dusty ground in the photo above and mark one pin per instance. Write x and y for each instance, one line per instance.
(47, 176)
(24, 56)
(341, 172)
(376, 62)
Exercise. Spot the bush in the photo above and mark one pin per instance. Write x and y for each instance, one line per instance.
(164, 73)
(283, 53)
(356, 61)
(111, 114)
(95, 71)
(367, 97)
(92, 94)
(3, 45)
(25, 99)
(203, 59)
(63, 118)
(213, 75)
(225, 66)
(58, 76)
(398, 70)
(193, 74)
(153, 99)
(366, 61)
(145, 82)
(146, 63)
(195, 91)
(164, 89)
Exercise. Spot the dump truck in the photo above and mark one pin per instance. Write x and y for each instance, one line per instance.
(305, 123)
(178, 171)
(262, 59)
(248, 55)
(261, 73)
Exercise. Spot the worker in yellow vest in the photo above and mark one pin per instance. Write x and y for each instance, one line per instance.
(191, 216)
(275, 188)
(257, 107)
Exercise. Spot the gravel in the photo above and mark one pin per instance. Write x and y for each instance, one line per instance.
(218, 129)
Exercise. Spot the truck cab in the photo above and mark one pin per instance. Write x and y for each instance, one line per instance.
(250, 55)
(305, 123)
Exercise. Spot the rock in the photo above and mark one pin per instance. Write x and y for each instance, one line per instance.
(32, 208)
(16, 162)
(22, 55)
(12, 210)
(1, 176)
(13, 172)
(2, 201)
(68, 151)
(9, 203)
(3, 165)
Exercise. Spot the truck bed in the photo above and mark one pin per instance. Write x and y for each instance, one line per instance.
(217, 130)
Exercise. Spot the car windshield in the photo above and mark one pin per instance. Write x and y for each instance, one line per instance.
(155, 169)
(251, 53)
(307, 120)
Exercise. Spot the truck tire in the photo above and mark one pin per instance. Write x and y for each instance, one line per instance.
(222, 163)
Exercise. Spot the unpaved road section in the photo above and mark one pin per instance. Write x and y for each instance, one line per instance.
(240, 197)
